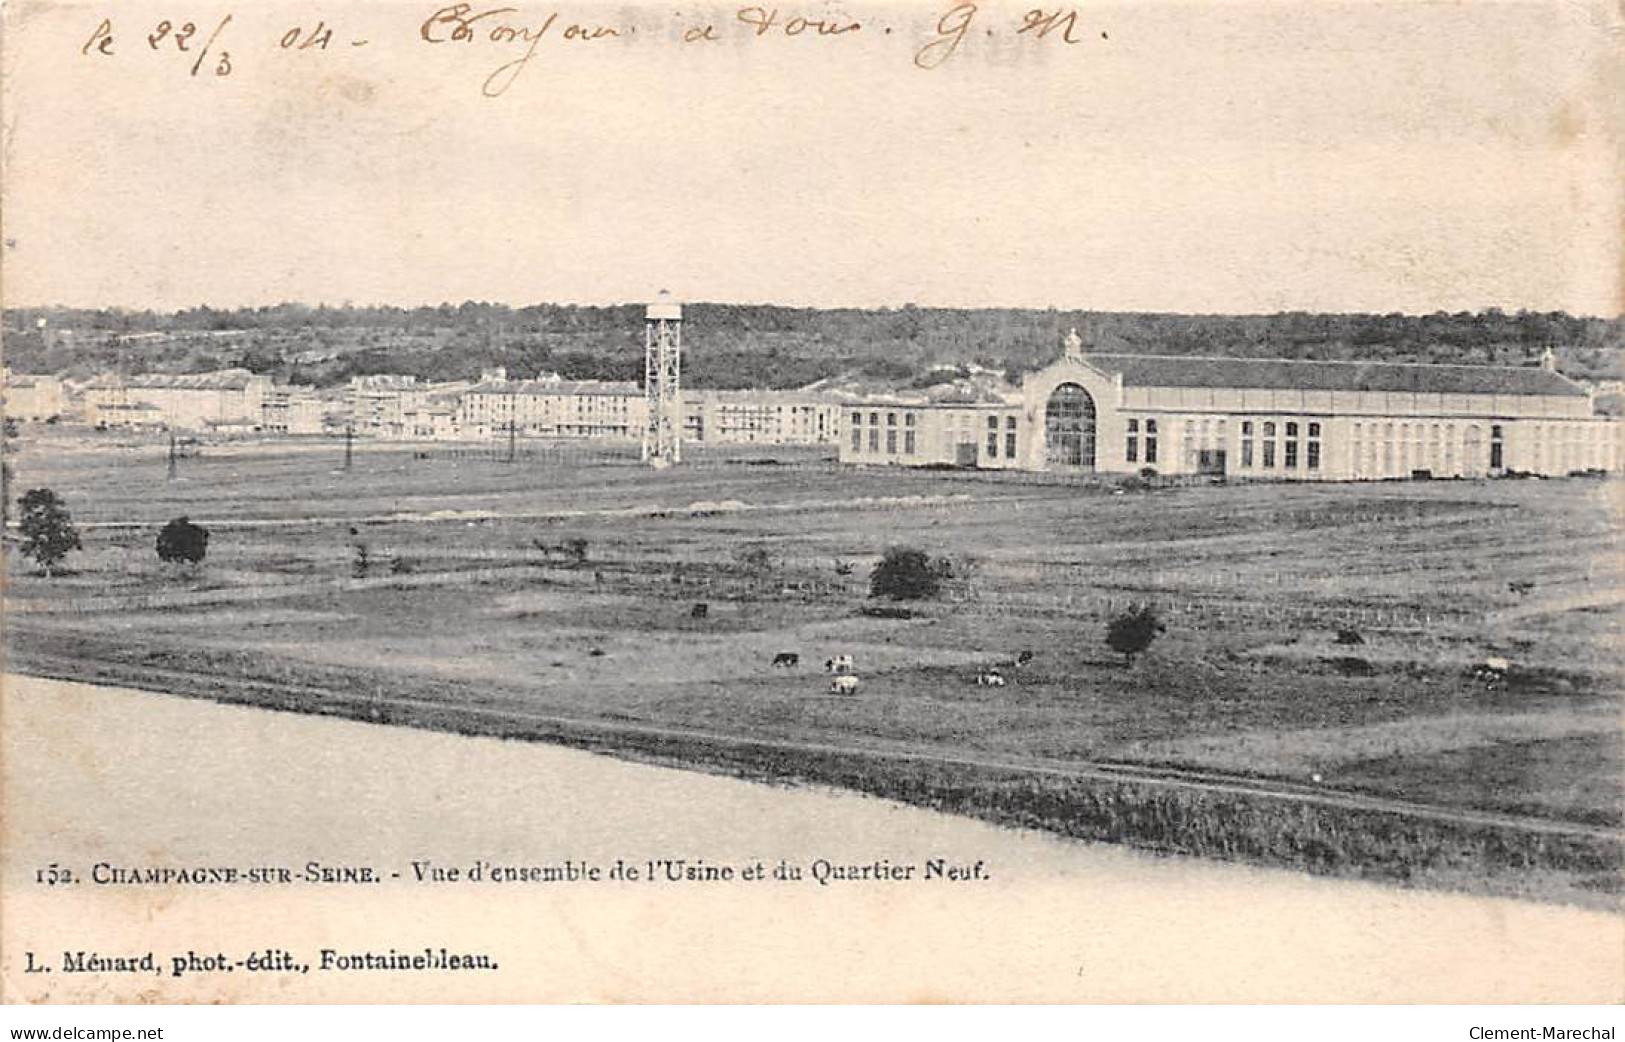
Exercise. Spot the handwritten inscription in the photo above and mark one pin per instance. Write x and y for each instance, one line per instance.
(461, 23)
(516, 38)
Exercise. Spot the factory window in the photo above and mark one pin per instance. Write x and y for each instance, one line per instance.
(891, 419)
(1291, 453)
(1010, 441)
(874, 439)
(1312, 457)
(874, 419)
(1151, 441)
(993, 439)
(1247, 453)
(908, 420)
(1497, 454)
(908, 438)
(891, 442)
(1131, 447)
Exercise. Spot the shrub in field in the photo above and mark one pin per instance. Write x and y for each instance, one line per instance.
(182, 542)
(47, 530)
(906, 574)
(1133, 630)
(1354, 666)
(755, 559)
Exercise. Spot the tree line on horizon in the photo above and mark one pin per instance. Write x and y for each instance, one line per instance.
(732, 346)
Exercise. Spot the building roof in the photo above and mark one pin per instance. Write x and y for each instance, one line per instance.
(220, 380)
(21, 380)
(1303, 375)
(557, 388)
(753, 396)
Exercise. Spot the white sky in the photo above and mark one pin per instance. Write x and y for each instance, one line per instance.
(1225, 156)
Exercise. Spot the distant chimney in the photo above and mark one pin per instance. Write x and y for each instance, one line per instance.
(1548, 359)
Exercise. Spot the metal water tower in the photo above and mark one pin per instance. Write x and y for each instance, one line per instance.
(662, 381)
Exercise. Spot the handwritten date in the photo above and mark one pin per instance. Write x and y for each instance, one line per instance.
(516, 39)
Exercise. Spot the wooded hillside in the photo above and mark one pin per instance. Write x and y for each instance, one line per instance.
(730, 345)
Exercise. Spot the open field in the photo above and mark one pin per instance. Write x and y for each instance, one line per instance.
(469, 616)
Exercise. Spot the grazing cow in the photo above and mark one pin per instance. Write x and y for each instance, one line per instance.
(1492, 672)
(846, 684)
(787, 659)
(1522, 589)
(699, 611)
(838, 664)
(1024, 658)
(990, 678)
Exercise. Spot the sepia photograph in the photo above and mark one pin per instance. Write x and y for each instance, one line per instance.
(850, 503)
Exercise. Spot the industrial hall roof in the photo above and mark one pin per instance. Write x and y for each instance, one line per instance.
(1303, 375)
(219, 380)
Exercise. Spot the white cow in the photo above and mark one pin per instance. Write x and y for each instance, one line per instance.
(839, 664)
(845, 684)
(990, 678)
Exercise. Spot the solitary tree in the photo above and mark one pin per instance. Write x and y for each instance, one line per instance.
(46, 528)
(181, 541)
(1132, 631)
(905, 574)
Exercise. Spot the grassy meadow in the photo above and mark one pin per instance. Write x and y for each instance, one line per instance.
(422, 584)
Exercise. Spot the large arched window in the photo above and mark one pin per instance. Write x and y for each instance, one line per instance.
(1069, 427)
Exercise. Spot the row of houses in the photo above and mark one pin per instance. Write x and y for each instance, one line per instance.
(400, 407)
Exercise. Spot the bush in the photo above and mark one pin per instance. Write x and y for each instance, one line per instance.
(1132, 631)
(906, 574)
(181, 541)
(755, 559)
(47, 529)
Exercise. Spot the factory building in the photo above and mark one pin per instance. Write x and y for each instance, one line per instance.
(1273, 419)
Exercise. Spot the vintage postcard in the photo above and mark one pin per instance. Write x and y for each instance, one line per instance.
(837, 502)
